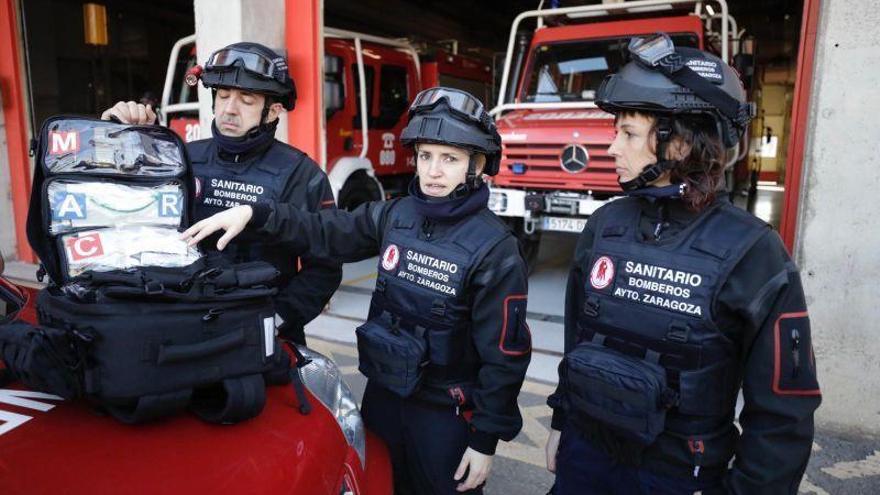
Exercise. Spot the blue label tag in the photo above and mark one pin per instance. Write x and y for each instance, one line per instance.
(170, 204)
(69, 206)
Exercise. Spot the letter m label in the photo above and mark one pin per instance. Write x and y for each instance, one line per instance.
(63, 142)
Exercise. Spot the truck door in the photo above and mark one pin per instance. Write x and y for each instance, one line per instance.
(339, 103)
(391, 82)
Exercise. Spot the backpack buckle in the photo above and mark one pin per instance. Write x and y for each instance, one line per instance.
(438, 308)
(153, 288)
(678, 333)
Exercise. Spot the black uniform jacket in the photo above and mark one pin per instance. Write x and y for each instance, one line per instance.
(307, 282)
(357, 235)
(762, 291)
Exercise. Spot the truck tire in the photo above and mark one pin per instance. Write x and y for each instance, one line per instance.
(531, 245)
(358, 189)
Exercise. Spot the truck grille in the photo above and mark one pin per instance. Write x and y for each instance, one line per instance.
(538, 165)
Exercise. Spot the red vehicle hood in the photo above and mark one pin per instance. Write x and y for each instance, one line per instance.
(67, 447)
(536, 138)
(567, 118)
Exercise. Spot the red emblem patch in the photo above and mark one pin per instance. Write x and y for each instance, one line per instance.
(602, 273)
(390, 258)
(85, 246)
(63, 142)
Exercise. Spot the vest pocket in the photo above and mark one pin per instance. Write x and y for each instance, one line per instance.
(442, 348)
(622, 392)
(704, 392)
(395, 358)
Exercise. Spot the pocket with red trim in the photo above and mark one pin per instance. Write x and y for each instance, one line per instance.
(516, 338)
(794, 370)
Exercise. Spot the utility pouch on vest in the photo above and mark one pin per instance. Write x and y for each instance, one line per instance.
(628, 394)
(393, 357)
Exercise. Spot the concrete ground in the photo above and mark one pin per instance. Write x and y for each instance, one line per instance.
(840, 464)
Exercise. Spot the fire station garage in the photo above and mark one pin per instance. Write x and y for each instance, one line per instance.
(806, 165)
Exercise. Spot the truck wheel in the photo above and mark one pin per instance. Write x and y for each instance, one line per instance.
(530, 246)
(358, 189)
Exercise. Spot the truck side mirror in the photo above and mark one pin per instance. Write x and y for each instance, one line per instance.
(2, 263)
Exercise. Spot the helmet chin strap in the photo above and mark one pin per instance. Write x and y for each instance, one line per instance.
(654, 171)
(471, 182)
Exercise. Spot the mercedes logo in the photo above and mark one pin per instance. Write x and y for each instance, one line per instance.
(574, 158)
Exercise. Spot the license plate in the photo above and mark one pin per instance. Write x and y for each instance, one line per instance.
(563, 224)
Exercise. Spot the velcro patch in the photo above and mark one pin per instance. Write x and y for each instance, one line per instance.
(794, 367)
(516, 338)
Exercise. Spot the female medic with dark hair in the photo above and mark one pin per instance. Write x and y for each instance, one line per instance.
(446, 346)
(676, 299)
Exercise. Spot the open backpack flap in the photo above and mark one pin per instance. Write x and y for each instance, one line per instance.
(133, 319)
(107, 196)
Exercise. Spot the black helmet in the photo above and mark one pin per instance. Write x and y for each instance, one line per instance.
(665, 79)
(450, 116)
(251, 67)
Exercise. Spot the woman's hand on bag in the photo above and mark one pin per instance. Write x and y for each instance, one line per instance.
(130, 112)
(233, 221)
(479, 464)
(551, 448)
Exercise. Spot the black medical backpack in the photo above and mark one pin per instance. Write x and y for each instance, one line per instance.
(144, 325)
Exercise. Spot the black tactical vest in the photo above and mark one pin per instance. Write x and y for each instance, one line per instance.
(423, 287)
(657, 299)
(220, 185)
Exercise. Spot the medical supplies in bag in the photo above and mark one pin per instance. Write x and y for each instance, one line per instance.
(107, 196)
(78, 145)
(76, 205)
(124, 247)
(133, 318)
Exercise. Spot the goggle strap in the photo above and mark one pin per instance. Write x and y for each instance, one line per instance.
(726, 104)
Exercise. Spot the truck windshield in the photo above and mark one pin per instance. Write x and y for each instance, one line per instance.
(572, 71)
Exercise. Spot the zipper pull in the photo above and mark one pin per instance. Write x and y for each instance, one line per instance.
(514, 332)
(697, 448)
(795, 352)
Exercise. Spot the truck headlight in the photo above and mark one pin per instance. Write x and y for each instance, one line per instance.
(497, 201)
(324, 380)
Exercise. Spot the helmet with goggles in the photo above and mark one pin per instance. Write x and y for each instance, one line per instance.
(667, 81)
(453, 117)
(250, 67)
(664, 79)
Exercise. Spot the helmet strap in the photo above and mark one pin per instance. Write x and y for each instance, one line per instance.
(663, 132)
(471, 182)
(471, 178)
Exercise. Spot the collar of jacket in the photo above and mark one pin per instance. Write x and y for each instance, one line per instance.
(243, 148)
(445, 209)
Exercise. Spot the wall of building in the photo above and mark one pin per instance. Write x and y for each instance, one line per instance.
(222, 22)
(838, 242)
(7, 222)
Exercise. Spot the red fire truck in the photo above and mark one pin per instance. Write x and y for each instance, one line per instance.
(50, 446)
(555, 169)
(365, 160)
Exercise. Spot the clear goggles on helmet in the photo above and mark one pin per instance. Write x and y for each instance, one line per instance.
(650, 50)
(458, 101)
(250, 61)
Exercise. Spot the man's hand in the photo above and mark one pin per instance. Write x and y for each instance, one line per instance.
(233, 221)
(130, 112)
(479, 465)
(551, 449)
